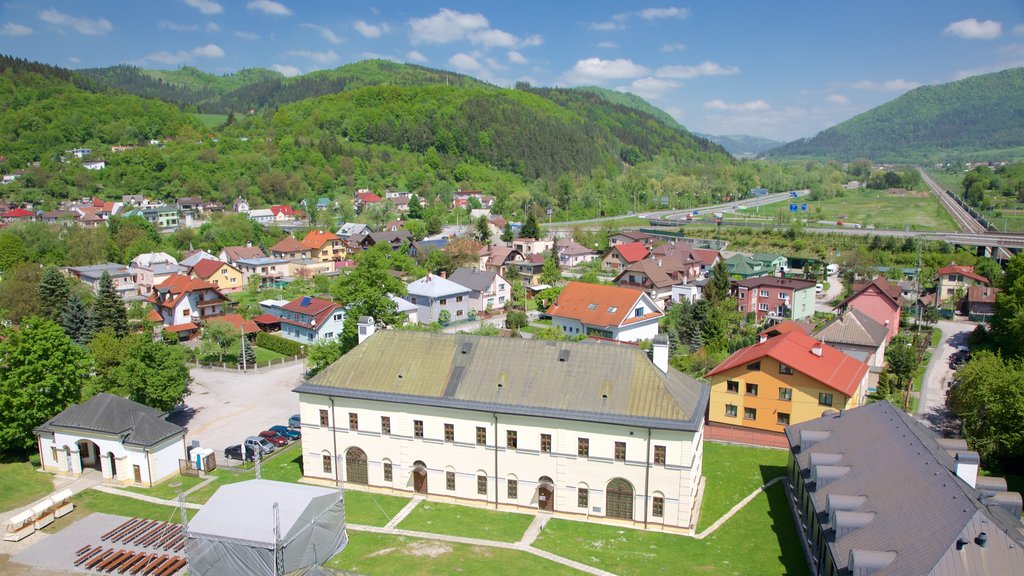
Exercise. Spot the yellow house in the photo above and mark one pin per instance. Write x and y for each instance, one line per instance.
(786, 378)
(324, 246)
(226, 277)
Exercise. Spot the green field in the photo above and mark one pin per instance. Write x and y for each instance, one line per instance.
(21, 485)
(732, 473)
(919, 210)
(467, 521)
(210, 121)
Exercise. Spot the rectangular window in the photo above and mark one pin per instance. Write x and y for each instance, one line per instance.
(513, 489)
(763, 307)
(620, 451)
(323, 418)
(449, 432)
(385, 425)
(763, 293)
(783, 419)
(387, 472)
(785, 394)
(417, 428)
(481, 436)
(658, 507)
(53, 453)
(732, 387)
(582, 497)
(659, 454)
(750, 413)
(458, 298)
(824, 399)
(327, 464)
(583, 447)
(783, 369)
(481, 484)
(449, 480)
(353, 421)
(444, 301)
(730, 410)
(639, 312)
(511, 439)
(545, 443)
(754, 365)
(751, 389)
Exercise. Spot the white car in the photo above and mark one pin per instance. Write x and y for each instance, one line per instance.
(819, 288)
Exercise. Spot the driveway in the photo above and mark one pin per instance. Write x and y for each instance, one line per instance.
(822, 302)
(931, 406)
(225, 407)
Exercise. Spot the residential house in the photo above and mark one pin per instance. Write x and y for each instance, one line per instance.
(153, 268)
(784, 379)
(182, 303)
(94, 164)
(707, 258)
(309, 320)
(351, 230)
(288, 248)
(133, 199)
(499, 258)
(163, 217)
(62, 217)
(875, 491)
(121, 277)
(365, 198)
(879, 300)
(393, 226)
(528, 246)
(530, 269)
(248, 328)
(609, 312)
(776, 262)
(80, 152)
(232, 254)
(981, 303)
(790, 298)
(408, 310)
(191, 257)
(212, 206)
(324, 246)
(621, 255)
(421, 248)
(190, 205)
(657, 275)
(571, 253)
(240, 205)
(629, 237)
(393, 239)
(401, 203)
(221, 274)
(744, 267)
(461, 198)
(261, 215)
(12, 176)
(954, 280)
(272, 271)
(18, 215)
(856, 334)
(127, 442)
(283, 213)
(496, 224)
(432, 294)
(690, 291)
(600, 432)
(488, 290)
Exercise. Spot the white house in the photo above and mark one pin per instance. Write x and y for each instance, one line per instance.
(308, 320)
(261, 215)
(124, 440)
(432, 294)
(612, 312)
(574, 428)
(153, 268)
(488, 290)
(181, 303)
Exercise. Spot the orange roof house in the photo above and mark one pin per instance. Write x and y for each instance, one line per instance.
(288, 248)
(622, 255)
(182, 300)
(324, 246)
(611, 312)
(221, 274)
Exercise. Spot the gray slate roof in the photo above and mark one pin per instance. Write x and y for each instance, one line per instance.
(474, 279)
(137, 424)
(921, 508)
(853, 327)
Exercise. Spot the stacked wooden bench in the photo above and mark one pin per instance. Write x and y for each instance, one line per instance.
(164, 538)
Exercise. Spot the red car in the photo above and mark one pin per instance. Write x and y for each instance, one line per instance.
(274, 438)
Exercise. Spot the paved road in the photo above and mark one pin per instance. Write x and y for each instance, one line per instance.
(931, 406)
(822, 302)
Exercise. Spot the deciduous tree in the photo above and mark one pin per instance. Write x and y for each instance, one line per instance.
(19, 297)
(989, 399)
(365, 292)
(551, 274)
(151, 373)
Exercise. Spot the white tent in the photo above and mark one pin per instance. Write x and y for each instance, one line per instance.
(234, 533)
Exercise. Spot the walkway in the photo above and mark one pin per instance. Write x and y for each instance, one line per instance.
(931, 405)
(143, 497)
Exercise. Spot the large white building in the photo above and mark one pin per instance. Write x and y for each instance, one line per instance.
(582, 428)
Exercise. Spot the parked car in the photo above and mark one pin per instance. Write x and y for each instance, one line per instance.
(261, 444)
(235, 453)
(294, 421)
(287, 432)
(274, 438)
(818, 288)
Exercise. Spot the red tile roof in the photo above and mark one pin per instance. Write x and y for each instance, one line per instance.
(267, 319)
(317, 238)
(795, 349)
(320, 309)
(632, 252)
(243, 252)
(966, 271)
(18, 213)
(288, 244)
(236, 320)
(787, 326)
(206, 267)
(177, 285)
(154, 316)
(367, 197)
(599, 305)
(881, 285)
(706, 257)
(181, 327)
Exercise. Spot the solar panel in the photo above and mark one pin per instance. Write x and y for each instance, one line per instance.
(305, 301)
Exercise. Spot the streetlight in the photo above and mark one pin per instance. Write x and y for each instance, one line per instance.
(302, 350)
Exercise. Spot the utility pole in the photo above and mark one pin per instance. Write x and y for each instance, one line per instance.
(241, 332)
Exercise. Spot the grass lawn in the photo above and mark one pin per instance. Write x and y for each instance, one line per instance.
(883, 210)
(386, 555)
(759, 539)
(91, 501)
(936, 337)
(467, 521)
(284, 466)
(211, 120)
(21, 485)
(372, 509)
(732, 473)
(265, 355)
(168, 489)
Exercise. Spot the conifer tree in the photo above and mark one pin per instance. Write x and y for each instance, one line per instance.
(483, 230)
(718, 287)
(53, 294)
(530, 228)
(108, 310)
(248, 353)
(75, 320)
(506, 234)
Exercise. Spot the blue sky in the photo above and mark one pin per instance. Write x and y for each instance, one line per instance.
(781, 70)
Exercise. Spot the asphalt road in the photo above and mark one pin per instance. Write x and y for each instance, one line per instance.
(931, 405)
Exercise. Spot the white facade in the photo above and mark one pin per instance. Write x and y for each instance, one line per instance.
(482, 472)
(67, 453)
(689, 292)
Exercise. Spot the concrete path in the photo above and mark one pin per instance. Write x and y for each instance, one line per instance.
(718, 523)
(931, 406)
(405, 511)
(143, 497)
(534, 529)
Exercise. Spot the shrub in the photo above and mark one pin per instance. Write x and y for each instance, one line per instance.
(278, 344)
(516, 319)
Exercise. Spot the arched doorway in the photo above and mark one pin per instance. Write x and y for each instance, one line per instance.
(355, 466)
(546, 494)
(419, 477)
(112, 464)
(67, 459)
(89, 455)
(619, 499)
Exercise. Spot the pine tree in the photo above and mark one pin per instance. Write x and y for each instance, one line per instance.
(551, 274)
(108, 310)
(75, 320)
(248, 353)
(483, 230)
(53, 294)
(506, 234)
(530, 228)
(718, 287)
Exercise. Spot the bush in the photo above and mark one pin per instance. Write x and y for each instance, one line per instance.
(169, 337)
(516, 319)
(278, 344)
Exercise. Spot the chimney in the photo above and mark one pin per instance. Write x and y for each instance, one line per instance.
(762, 338)
(966, 466)
(816, 349)
(444, 274)
(660, 352)
(366, 328)
(248, 244)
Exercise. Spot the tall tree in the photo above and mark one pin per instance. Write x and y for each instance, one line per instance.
(507, 236)
(218, 339)
(483, 229)
(53, 294)
(530, 227)
(248, 356)
(366, 291)
(1008, 320)
(551, 274)
(717, 289)
(989, 399)
(41, 373)
(415, 209)
(12, 251)
(901, 358)
(136, 367)
(108, 310)
(75, 320)
(19, 296)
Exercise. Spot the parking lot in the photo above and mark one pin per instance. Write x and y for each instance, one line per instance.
(225, 407)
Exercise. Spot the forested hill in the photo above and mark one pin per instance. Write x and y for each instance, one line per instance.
(931, 122)
(742, 146)
(632, 101)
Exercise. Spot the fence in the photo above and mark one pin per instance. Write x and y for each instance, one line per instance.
(187, 467)
(233, 367)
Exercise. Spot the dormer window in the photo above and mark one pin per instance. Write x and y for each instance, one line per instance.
(592, 307)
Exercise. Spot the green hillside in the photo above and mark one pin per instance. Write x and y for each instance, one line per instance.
(928, 123)
(742, 146)
(632, 101)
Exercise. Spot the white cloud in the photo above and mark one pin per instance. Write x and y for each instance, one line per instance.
(465, 62)
(535, 40)
(673, 47)
(168, 25)
(325, 33)
(318, 57)
(492, 37)
(971, 29)
(12, 29)
(74, 59)
(607, 44)
(445, 26)
(287, 70)
(247, 35)
(837, 99)
(597, 70)
(516, 58)
(607, 26)
(87, 26)
(702, 69)
(182, 56)
(269, 7)
(212, 27)
(750, 106)
(660, 13)
(416, 56)
(205, 6)
(650, 87)
(618, 21)
(1018, 30)
(371, 30)
(897, 85)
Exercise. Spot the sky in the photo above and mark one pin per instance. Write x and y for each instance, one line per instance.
(781, 70)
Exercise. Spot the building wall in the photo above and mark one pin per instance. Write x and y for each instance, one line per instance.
(803, 304)
(329, 330)
(676, 481)
(429, 309)
(880, 308)
(163, 458)
(227, 279)
(802, 407)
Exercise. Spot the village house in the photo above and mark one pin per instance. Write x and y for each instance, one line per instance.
(953, 280)
(221, 274)
(18, 215)
(324, 246)
(288, 248)
(165, 218)
(858, 335)
(190, 205)
(608, 312)
(261, 215)
(309, 320)
(530, 269)
(240, 205)
(571, 253)
(488, 290)
(981, 303)
(879, 300)
(598, 431)
(434, 294)
(353, 230)
(284, 214)
(121, 277)
(623, 254)
(771, 296)
(272, 271)
(153, 268)
(498, 258)
(745, 267)
(365, 198)
(395, 239)
(528, 246)
(420, 248)
(629, 237)
(232, 254)
(190, 258)
(182, 303)
(657, 274)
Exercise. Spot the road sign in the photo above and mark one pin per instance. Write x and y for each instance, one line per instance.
(694, 212)
(803, 207)
(664, 200)
(793, 194)
(758, 191)
(792, 207)
(550, 211)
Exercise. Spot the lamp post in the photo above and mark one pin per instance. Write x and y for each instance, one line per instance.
(302, 350)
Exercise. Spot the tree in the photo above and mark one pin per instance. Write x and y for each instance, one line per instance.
(151, 373)
(507, 236)
(367, 291)
(444, 317)
(989, 399)
(12, 251)
(415, 209)
(108, 310)
(483, 229)
(41, 373)
(248, 356)
(530, 227)
(75, 320)
(719, 285)
(253, 284)
(321, 355)
(551, 274)
(53, 294)
(19, 295)
(901, 358)
(218, 339)
(1008, 319)
(516, 319)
